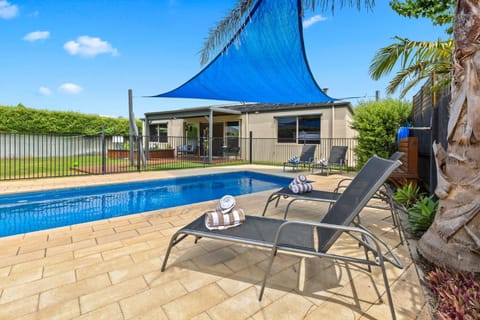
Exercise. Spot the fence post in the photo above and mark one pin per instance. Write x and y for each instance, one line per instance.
(251, 146)
(104, 153)
(139, 140)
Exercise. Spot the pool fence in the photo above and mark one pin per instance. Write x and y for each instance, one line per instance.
(36, 155)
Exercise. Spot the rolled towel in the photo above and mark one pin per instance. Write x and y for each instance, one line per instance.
(323, 162)
(218, 221)
(294, 159)
(226, 204)
(300, 187)
(300, 179)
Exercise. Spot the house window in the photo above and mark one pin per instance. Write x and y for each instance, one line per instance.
(159, 132)
(306, 128)
(309, 129)
(287, 130)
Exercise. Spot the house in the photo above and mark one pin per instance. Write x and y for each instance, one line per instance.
(214, 130)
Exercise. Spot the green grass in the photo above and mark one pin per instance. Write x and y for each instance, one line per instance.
(57, 167)
(49, 167)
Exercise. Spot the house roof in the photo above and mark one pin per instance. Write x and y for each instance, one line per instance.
(241, 109)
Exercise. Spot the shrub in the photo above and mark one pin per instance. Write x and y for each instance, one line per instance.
(408, 195)
(457, 295)
(377, 124)
(421, 214)
(29, 120)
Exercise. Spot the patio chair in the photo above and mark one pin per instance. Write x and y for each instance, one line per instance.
(312, 238)
(384, 194)
(337, 158)
(306, 158)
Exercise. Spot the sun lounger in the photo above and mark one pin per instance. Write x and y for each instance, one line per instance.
(337, 159)
(384, 194)
(305, 160)
(309, 237)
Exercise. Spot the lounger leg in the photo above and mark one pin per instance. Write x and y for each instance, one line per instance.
(366, 253)
(396, 220)
(267, 272)
(173, 242)
(272, 197)
(287, 208)
(387, 290)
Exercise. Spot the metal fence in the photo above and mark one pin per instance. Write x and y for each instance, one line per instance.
(30, 155)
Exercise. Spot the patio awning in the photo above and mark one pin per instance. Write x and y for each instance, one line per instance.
(264, 62)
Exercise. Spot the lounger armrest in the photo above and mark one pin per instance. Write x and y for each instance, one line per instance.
(342, 184)
(377, 246)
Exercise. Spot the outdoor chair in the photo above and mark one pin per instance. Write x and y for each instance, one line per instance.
(185, 149)
(384, 194)
(312, 238)
(337, 158)
(306, 158)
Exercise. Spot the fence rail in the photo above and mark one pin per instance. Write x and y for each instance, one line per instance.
(31, 155)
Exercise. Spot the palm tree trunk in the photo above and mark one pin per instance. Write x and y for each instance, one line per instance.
(453, 240)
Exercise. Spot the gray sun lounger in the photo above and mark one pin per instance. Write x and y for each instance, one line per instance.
(337, 158)
(384, 193)
(312, 238)
(306, 158)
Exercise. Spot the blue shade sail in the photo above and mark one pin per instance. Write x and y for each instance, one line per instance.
(264, 62)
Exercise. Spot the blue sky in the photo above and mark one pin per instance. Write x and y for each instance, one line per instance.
(84, 55)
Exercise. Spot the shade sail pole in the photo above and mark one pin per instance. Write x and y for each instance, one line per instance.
(134, 131)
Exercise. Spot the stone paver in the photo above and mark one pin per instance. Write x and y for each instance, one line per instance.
(110, 269)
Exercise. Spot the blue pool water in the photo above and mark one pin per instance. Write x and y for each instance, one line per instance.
(25, 212)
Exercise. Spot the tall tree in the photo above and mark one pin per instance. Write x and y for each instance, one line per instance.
(453, 239)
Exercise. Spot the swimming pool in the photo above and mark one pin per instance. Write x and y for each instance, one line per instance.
(26, 212)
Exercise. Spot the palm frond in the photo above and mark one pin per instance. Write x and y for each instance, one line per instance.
(225, 29)
(406, 52)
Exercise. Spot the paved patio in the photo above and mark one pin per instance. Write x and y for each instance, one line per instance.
(110, 269)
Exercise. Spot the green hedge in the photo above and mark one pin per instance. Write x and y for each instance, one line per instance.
(377, 124)
(23, 119)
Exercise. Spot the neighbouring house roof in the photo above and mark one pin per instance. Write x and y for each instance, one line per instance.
(242, 109)
(264, 61)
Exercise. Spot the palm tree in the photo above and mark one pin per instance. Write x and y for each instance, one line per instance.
(453, 239)
(417, 60)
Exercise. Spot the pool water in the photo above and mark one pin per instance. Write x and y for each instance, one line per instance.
(26, 212)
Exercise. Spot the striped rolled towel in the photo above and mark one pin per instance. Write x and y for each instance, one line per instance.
(300, 187)
(215, 220)
(294, 159)
(300, 179)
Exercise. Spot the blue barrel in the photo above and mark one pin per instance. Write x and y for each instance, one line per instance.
(403, 132)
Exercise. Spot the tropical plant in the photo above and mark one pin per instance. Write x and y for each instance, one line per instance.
(421, 214)
(453, 239)
(377, 123)
(407, 195)
(417, 60)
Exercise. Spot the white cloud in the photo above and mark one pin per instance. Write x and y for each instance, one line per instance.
(36, 35)
(44, 91)
(89, 47)
(70, 88)
(8, 10)
(311, 21)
